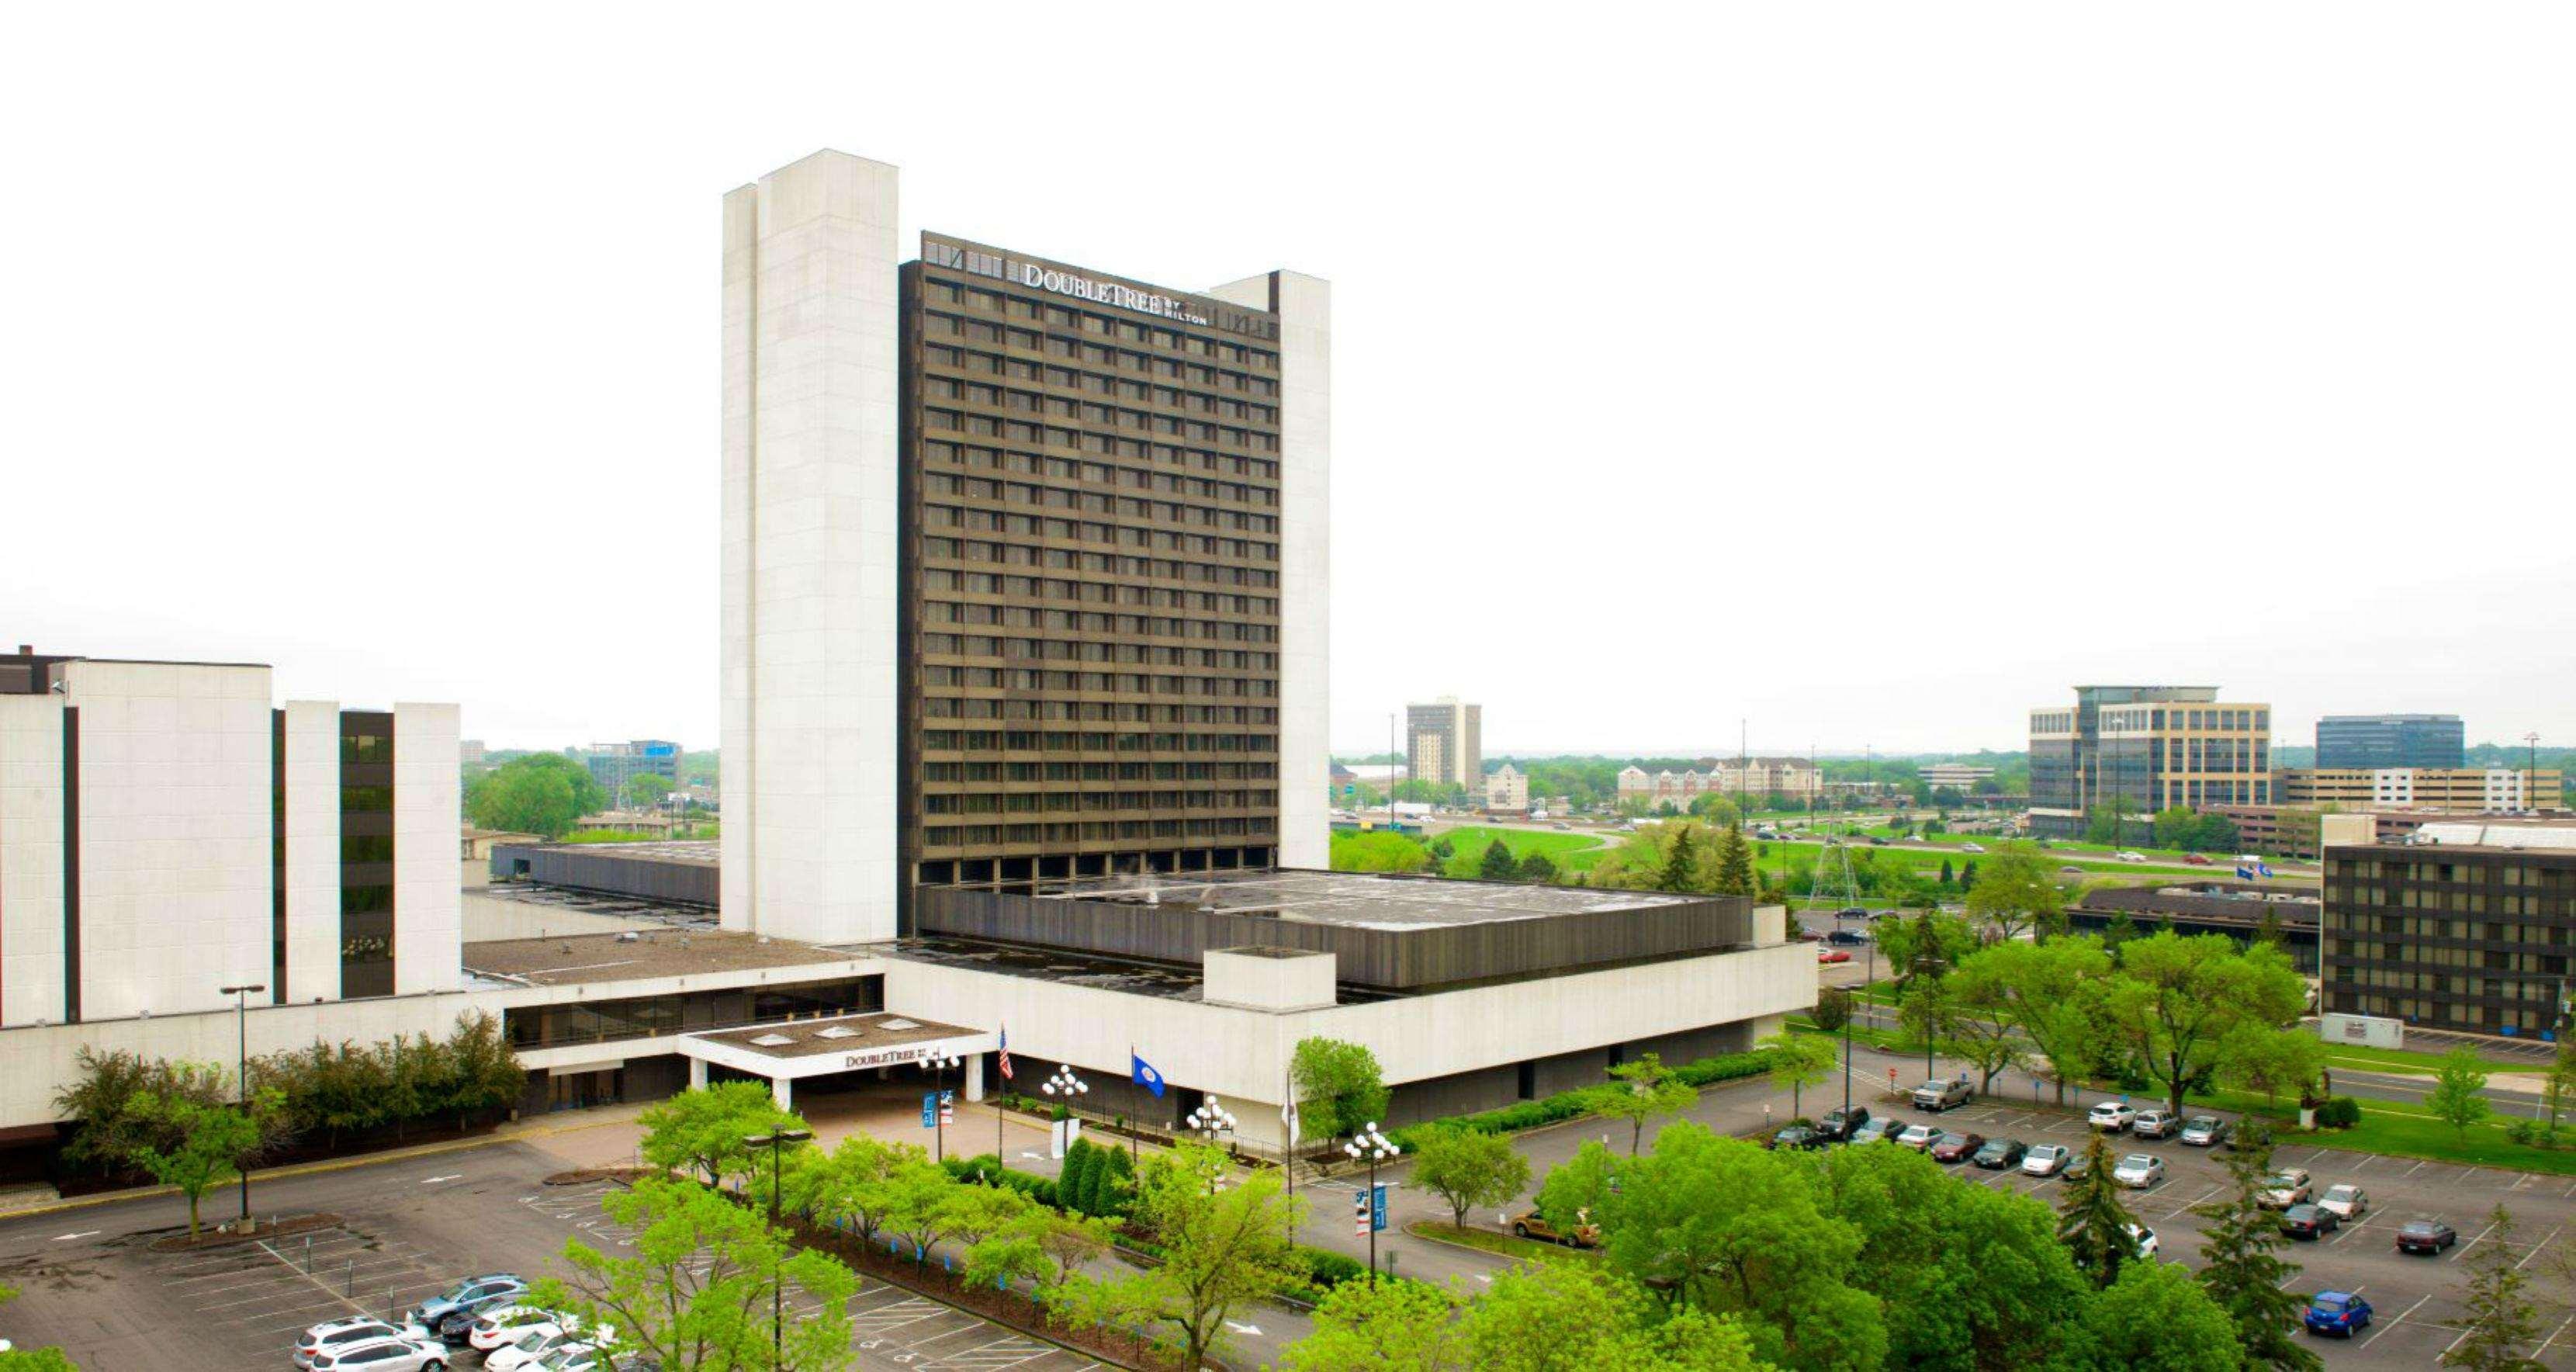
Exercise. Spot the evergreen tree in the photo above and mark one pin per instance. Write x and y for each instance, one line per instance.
(1734, 864)
(1538, 867)
(1948, 877)
(2240, 1270)
(1498, 863)
(1968, 875)
(1676, 874)
(2093, 1222)
(2501, 1318)
(1074, 1183)
(2120, 930)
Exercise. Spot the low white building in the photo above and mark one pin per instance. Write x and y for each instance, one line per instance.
(1507, 790)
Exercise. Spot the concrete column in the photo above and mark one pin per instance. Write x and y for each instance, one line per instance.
(975, 1077)
(697, 1074)
(783, 1091)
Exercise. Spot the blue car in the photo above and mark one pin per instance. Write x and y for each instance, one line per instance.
(2337, 1312)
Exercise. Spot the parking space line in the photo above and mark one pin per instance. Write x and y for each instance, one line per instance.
(2463, 1249)
(2537, 1248)
(2377, 1330)
(2553, 1337)
(2418, 1167)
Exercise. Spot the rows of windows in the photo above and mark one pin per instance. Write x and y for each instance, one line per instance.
(1068, 322)
(941, 579)
(970, 457)
(941, 836)
(938, 772)
(366, 853)
(1128, 570)
(937, 517)
(1036, 741)
(943, 612)
(1151, 513)
(1074, 711)
(994, 395)
(1069, 802)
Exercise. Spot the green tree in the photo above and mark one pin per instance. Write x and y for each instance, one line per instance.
(31, 1359)
(1718, 1225)
(1378, 850)
(1573, 1190)
(1498, 863)
(847, 1183)
(1833, 1009)
(1070, 1241)
(1396, 1326)
(2176, 999)
(541, 793)
(2458, 1097)
(1546, 1317)
(2240, 1271)
(2259, 1057)
(481, 1074)
(1948, 877)
(1339, 1087)
(1537, 868)
(1734, 863)
(923, 1205)
(213, 1143)
(1715, 808)
(1924, 947)
(2093, 1222)
(2502, 1318)
(1468, 1169)
(646, 789)
(702, 1130)
(1680, 861)
(2016, 894)
(105, 1096)
(1640, 1090)
(1221, 1250)
(697, 1283)
(1977, 1019)
(2155, 1318)
(1798, 1061)
(1967, 1277)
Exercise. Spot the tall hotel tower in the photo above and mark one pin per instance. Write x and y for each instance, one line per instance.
(1025, 565)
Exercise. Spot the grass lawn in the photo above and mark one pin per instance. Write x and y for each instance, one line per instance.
(1501, 1245)
(1570, 852)
(1802, 858)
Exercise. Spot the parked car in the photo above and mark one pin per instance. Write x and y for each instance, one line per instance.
(502, 1325)
(1919, 1136)
(2111, 1116)
(1849, 938)
(1972, 848)
(2285, 1188)
(2144, 1238)
(448, 1313)
(2308, 1221)
(1840, 1123)
(333, 1335)
(2130, 857)
(2078, 1166)
(2139, 1171)
(2155, 1123)
(1941, 1095)
(2204, 1131)
(530, 1348)
(2337, 1312)
(1828, 955)
(1952, 1147)
(2195, 860)
(2426, 1236)
(383, 1354)
(1582, 1234)
(2046, 1160)
(1795, 1136)
(1852, 912)
(1878, 1130)
(2344, 1201)
(2069, 869)
(1999, 1154)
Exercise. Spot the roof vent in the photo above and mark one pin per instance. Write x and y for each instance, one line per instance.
(837, 1031)
(898, 1025)
(773, 1041)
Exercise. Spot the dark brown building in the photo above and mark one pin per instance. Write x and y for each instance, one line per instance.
(1090, 622)
(2470, 935)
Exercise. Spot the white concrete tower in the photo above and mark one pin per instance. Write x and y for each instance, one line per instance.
(1304, 305)
(810, 540)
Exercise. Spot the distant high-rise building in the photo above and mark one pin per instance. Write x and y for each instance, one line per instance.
(470, 752)
(2349, 741)
(2135, 750)
(1444, 743)
(614, 764)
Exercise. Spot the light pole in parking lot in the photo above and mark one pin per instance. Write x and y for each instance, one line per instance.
(778, 1137)
(1375, 1147)
(937, 1064)
(241, 1071)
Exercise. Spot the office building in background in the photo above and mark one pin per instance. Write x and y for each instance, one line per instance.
(2351, 742)
(2464, 926)
(2439, 790)
(1444, 743)
(166, 831)
(2134, 750)
(1024, 564)
(612, 765)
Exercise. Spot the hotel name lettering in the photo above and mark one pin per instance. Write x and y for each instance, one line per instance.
(884, 1057)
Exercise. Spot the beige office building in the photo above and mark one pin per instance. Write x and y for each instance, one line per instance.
(2442, 790)
(1444, 742)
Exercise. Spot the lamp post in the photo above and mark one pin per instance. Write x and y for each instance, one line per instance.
(241, 1071)
(1376, 1147)
(937, 1064)
(1210, 1120)
(1064, 1085)
(777, 1138)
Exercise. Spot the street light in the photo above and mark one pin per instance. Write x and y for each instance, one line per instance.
(1064, 1084)
(1210, 1120)
(241, 1072)
(1376, 1147)
(777, 1138)
(937, 1064)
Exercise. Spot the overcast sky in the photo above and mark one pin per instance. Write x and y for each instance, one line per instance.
(1870, 374)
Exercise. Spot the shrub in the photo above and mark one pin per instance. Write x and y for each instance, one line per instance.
(2341, 1112)
(1566, 1105)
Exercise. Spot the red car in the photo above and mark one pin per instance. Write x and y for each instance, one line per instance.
(1832, 955)
(2195, 860)
(1957, 1147)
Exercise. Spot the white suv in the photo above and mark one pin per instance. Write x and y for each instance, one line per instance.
(332, 1336)
(2111, 1116)
(384, 1355)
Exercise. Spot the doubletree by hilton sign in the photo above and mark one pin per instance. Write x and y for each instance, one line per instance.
(1104, 292)
(886, 1057)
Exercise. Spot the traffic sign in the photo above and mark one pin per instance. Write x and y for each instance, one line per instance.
(929, 1109)
(1377, 1206)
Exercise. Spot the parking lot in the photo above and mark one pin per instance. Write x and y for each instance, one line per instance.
(91, 1283)
(2418, 1300)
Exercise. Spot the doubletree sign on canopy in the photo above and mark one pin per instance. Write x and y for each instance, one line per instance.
(1083, 288)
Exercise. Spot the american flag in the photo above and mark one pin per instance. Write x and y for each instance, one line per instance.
(1006, 1052)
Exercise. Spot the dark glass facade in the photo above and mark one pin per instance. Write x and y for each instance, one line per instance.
(2391, 741)
(366, 853)
(2474, 939)
(1090, 612)
(690, 1012)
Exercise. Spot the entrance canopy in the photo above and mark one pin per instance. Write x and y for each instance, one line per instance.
(793, 1050)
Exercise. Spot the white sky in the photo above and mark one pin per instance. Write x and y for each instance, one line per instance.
(1874, 374)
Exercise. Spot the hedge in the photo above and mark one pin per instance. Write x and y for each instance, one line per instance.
(1575, 1104)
